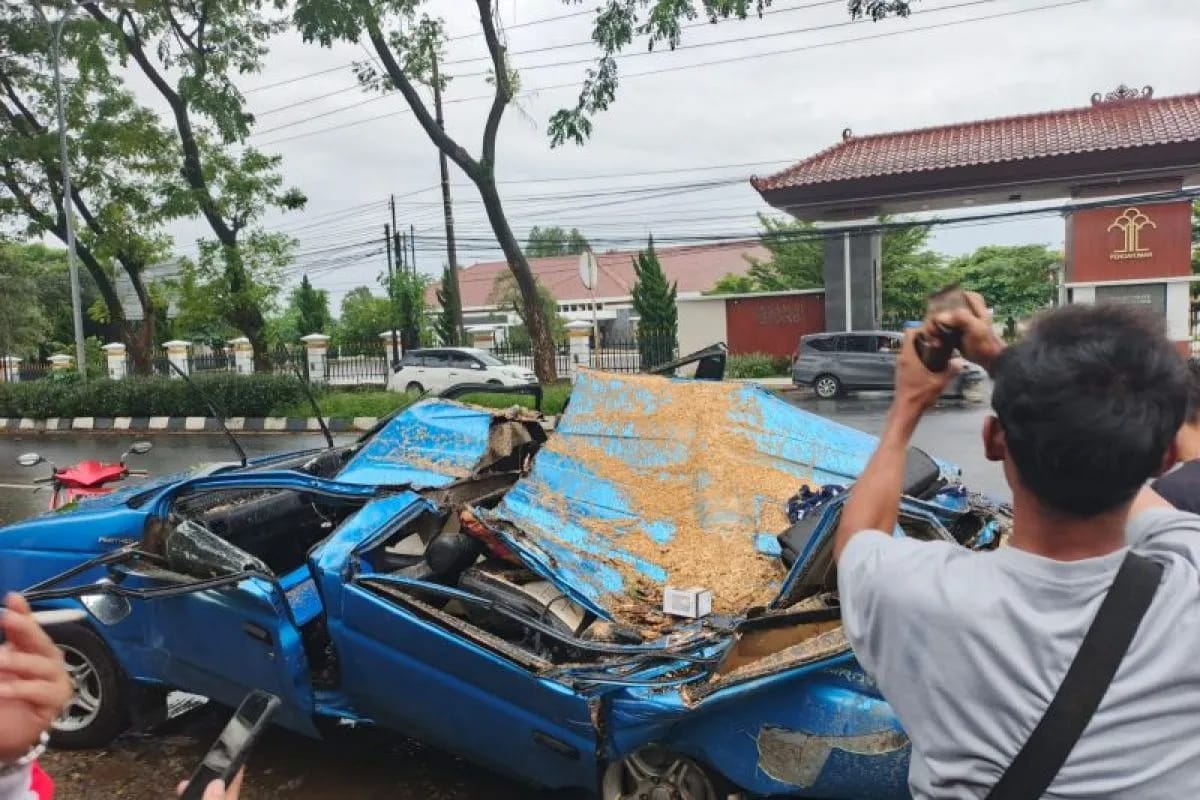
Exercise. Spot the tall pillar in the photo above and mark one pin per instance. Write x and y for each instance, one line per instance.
(10, 369)
(579, 333)
(387, 336)
(317, 347)
(177, 354)
(243, 356)
(483, 337)
(115, 353)
(853, 281)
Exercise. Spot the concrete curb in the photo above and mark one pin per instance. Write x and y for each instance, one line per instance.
(182, 424)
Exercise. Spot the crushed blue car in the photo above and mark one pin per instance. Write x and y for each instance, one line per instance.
(462, 572)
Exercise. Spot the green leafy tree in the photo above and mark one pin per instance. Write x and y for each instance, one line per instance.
(449, 331)
(120, 156)
(910, 271)
(311, 307)
(507, 296)
(554, 241)
(734, 284)
(654, 302)
(409, 43)
(407, 290)
(23, 324)
(189, 53)
(1017, 281)
(363, 316)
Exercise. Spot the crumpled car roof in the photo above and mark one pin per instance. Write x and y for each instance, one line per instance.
(427, 445)
(649, 482)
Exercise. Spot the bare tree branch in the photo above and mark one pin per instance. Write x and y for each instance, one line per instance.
(503, 90)
(444, 142)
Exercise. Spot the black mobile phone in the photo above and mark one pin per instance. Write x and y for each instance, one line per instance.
(937, 357)
(229, 751)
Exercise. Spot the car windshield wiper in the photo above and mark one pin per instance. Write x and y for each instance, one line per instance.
(220, 417)
(312, 401)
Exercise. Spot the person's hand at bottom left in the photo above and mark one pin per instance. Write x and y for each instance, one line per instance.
(34, 685)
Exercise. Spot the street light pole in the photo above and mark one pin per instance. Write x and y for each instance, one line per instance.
(56, 31)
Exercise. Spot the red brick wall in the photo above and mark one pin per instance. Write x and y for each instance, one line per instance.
(772, 325)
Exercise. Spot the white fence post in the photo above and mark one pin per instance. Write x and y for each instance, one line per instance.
(483, 337)
(317, 347)
(61, 362)
(581, 346)
(177, 354)
(243, 356)
(115, 351)
(10, 370)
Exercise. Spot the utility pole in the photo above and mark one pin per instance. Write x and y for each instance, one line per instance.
(412, 246)
(68, 201)
(387, 240)
(447, 208)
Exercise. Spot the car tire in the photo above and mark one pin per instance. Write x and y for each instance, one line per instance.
(651, 770)
(99, 709)
(494, 382)
(827, 386)
(414, 388)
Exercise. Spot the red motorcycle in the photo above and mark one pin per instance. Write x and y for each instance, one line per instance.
(87, 478)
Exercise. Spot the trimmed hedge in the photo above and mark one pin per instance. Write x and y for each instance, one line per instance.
(757, 365)
(235, 395)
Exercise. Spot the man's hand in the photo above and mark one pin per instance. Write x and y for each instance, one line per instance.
(979, 340)
(34, 686)
(217, 791)
(916, 387)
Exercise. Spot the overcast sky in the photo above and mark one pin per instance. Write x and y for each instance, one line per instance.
(701, 122)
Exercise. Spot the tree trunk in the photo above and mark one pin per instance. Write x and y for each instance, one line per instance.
(539, 327)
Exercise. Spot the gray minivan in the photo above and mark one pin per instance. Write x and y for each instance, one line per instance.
(834, 363)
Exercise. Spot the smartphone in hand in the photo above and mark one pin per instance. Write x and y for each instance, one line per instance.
(228, 753)
(936, 356)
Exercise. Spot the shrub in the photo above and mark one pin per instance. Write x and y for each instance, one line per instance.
(234, 395)
(752, 366)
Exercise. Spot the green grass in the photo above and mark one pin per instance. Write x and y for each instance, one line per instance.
(380, 403)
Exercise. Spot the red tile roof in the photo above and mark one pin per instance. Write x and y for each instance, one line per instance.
(1124, 119)
(695, 267)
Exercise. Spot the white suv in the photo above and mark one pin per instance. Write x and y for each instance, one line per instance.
(435, 369)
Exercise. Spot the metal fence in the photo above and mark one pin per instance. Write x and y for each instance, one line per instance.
(639, 354)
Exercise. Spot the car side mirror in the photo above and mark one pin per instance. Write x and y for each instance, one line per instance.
(477, 366)
(29, 459)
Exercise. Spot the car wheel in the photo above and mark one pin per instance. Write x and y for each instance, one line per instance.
(414, 388)
(494, 382)
(827, 387)
(98, 711)
(653, 772)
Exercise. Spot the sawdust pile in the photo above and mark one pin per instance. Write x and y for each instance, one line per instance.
(716, 497)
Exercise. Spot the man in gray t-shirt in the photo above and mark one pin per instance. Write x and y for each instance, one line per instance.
(970, 648)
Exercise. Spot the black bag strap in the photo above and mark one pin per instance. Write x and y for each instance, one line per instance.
(1087, 679)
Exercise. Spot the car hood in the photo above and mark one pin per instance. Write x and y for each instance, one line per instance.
(649, 482)
(429, 444)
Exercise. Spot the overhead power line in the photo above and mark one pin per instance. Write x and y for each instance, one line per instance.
(681, 67)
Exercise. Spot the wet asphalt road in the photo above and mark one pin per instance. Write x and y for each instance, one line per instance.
(359, 764)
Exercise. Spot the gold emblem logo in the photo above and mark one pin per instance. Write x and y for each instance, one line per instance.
(1130, 224)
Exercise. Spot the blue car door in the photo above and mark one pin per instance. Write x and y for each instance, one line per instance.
(416, 676)
(221, 643)
(415, 672)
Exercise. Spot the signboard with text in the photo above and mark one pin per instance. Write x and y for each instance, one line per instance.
(1152, 296)
(1121, 242)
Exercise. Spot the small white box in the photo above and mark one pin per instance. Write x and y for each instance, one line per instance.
(694, 602)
